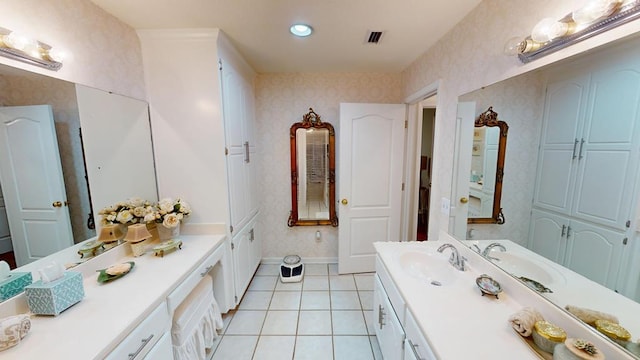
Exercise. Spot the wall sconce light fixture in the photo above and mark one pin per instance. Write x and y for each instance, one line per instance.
(22, 48)
(551, 35)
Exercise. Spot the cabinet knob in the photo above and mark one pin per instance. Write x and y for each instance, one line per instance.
(344, 202)
(57, 204)
(464, 200)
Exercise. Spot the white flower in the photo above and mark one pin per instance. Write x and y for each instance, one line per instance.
(111, 217)
(136, 202)
(124, 216)
(171, 221)
(149, 217)
(185, 208)
(139, 211)
(165, 205)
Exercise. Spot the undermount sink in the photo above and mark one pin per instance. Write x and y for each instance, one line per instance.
(433, 268)
(518, 266)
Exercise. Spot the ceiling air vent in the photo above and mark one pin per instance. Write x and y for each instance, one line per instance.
(374, 37)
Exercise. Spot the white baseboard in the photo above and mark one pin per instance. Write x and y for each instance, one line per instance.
(305, 260)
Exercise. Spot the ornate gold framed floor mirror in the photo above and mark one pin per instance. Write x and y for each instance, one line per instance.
(487, 169)
(313, 172)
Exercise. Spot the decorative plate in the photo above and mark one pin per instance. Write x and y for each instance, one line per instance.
(103, 277)
(488, 286)
(534, 285)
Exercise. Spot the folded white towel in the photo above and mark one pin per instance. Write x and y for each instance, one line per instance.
(523, 320)
(590, 316)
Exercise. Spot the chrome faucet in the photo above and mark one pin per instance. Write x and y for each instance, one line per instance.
(488, 249)
(456, 260)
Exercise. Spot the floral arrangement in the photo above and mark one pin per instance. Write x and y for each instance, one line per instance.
(131, 211)
(170, 212)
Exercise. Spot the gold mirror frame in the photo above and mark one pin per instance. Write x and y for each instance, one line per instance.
(489, 118)
(309, 121)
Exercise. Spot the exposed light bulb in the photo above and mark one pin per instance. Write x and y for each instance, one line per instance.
(16, 41)
(54, 54)
(595, 10)
(513, 46)
(548, 29)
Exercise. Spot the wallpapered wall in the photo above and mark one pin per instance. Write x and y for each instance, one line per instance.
(468, 57)
(103, 52)
(281, 100)
(61, 95)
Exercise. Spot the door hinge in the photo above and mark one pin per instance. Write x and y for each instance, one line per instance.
(231, 228)
(233, 246)
(235, 298)
(628, 224)
(402, 186)
(406, 124)
(219, 64)
(252, 235)
(226, 151)
(625, 241)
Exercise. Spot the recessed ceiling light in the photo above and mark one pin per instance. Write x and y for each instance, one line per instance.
(301, 30)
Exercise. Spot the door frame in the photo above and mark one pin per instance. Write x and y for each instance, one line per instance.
(413, 141)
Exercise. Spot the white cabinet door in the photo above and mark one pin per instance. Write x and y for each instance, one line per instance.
(388, 328)
(608, 153)
(239, 115)
(247, 252)
(547, 233)
(594, 252)
(557, 161)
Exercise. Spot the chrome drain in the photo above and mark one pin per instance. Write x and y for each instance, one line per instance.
(436, 283)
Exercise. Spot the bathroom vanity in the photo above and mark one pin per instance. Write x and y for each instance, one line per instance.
(130, 317)
(424, 308)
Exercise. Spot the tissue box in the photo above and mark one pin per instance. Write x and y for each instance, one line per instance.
(14, 284)
(56, 296)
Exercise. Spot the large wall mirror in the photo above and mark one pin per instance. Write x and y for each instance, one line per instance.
(573, 189)
(103, 143)
(313, 172)
(487, 169)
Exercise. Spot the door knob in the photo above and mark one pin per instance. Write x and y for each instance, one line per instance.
(57, 204)
(344, 202)
(464, 200)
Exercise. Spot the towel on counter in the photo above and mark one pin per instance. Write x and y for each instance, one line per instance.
(590, 316)
(523, 320)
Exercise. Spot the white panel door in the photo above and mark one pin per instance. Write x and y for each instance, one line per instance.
(594, 252)
(370, 181)
(32, 183)
(459, 211)
(547, 233)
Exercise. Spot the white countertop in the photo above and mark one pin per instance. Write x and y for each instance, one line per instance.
(459, 323)
(91, 328)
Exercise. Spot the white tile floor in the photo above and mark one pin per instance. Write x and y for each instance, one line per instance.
(324, 317)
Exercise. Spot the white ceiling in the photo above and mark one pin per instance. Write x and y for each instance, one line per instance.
(260, 29)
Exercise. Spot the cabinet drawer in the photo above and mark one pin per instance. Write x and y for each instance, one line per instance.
(389, 287)
(416, 344)
(163, 349)
(138, 343)
(180, 293)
